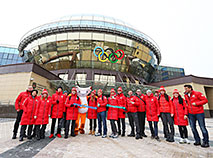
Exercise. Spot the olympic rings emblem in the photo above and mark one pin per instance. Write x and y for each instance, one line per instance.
(113, 57)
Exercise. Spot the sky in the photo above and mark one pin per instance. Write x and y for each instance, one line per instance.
(183, 29)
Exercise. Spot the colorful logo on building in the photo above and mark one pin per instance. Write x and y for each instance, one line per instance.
(113, 57)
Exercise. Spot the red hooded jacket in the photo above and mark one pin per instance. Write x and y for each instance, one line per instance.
(165, 106)
(199, 99)
(132, 107)
(112, 112)
(72, 112)
(152, 108)
(92, 113)
(29, 106)
(57, 109)
(19, 100)
(102, 101)
(121, 102)
(142, 106)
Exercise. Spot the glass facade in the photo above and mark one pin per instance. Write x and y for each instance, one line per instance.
(164, 73)
(9, 55)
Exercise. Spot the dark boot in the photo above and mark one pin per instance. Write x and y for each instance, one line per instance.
(119, 132)
(132, 134)
(138, 137)
(123, 134)
(205, 145)
(14, 136)
(21, 139)
(66, 136)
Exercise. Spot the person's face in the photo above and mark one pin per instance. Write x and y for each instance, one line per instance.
(156, 94)
(65, 94)
(130, 93)
(59, 90)
(119, 91)
(112, 93)
(188, 90)
(99, 93)
(162, 92)
(149, 93)
(34, 93)
(92, 94)
(73, 92)
(45, 95)
(138, 92)
(175, 95)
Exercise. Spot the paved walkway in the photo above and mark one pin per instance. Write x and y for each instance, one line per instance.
(91, 146)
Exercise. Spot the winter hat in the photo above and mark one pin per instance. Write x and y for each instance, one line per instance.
(74, 89)
(65, 92)
(100, 90)
(33, 91)
(44, 91)
(59, 87)
(112, 90)
(148, 91)
(162, 89)
(157, 90)
(94, 91)
(120, 89)
(175, 91)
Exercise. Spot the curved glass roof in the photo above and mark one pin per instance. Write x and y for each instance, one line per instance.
(91, 20)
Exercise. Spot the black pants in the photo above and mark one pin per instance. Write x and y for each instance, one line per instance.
(133, 121)
(183, 132)
(90, 124)
(154, 131)
(29, 130)
(53, 126)
(121, 120)
(167, 119)
(63, 121)
(141, 120)
(67, 127)
(113, 126)
(40, 130)
(18, 119)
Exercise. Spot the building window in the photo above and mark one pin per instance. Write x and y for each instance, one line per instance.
(63, 76)
(105, 78)
(81, 78)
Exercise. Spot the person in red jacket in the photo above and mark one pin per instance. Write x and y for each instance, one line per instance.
(195, 101)
(18, 106)
(42, 114)
(132, 103)
(29, 106)
(157, 92)
(58, 101)
(180, 116)
(121, 112)
(102, 102)
(141, 111)
(113, 113)
(167, 113)
(92, 113)
(72, 112)
(152, 113)
(63, 120)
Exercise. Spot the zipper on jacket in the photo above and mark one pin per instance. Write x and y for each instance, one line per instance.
(44, 112)
(57, 107)
(150, 107)
(32, 111)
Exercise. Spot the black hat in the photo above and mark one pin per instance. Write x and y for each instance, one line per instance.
(59, 87)
(34, 90)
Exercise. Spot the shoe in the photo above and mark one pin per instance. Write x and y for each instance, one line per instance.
(98, 134)
(59, 135)
(182, 141)
(123, 135)
(25, 136)
(138, 137)
(115, 136)
(205, 145)
(144, 135)
(14, 136)
(119, 132)
(157, 138)
(152, 136)
(29, 137)
(66, 136)
(21, 139)
(131, 135)
(42, 137)
(197, 143)
(167, 139)
(38, 138)
(186, 141)
(90, 132)
(111, 135)
(93, 132)
(73, 134)
(51, 136)
(171, 140)
(104, 136)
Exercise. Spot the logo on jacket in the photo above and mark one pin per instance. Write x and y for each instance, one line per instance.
(193, 96)
(152, 100)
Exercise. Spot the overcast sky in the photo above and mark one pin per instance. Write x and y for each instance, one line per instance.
(183, 29)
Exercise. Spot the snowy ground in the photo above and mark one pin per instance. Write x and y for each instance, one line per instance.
(91, 146)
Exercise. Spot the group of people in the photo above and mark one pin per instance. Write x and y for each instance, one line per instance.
(34, 111)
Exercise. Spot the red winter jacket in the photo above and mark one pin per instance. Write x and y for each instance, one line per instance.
(179, 111)
(19, 100)
(112, 112)
(199, 99)
(142, 106)
(57, 109)
(132, 107)
(152, 108)
(121, 102)
(43, 111)
(102, 101)
(165, 106)
(92, 113)
(72, 112)
(65, 108)
(29, 107)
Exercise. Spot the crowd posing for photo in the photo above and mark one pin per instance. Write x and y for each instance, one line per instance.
(33, 113)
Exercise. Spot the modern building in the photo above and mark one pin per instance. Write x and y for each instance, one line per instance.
(9, 55)
(69, 47)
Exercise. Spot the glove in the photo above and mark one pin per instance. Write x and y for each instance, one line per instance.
(124, 113)
(35, 117)
(57, 101)
(76, 106)
(71, 105)
(125, 109)
(98, 105)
